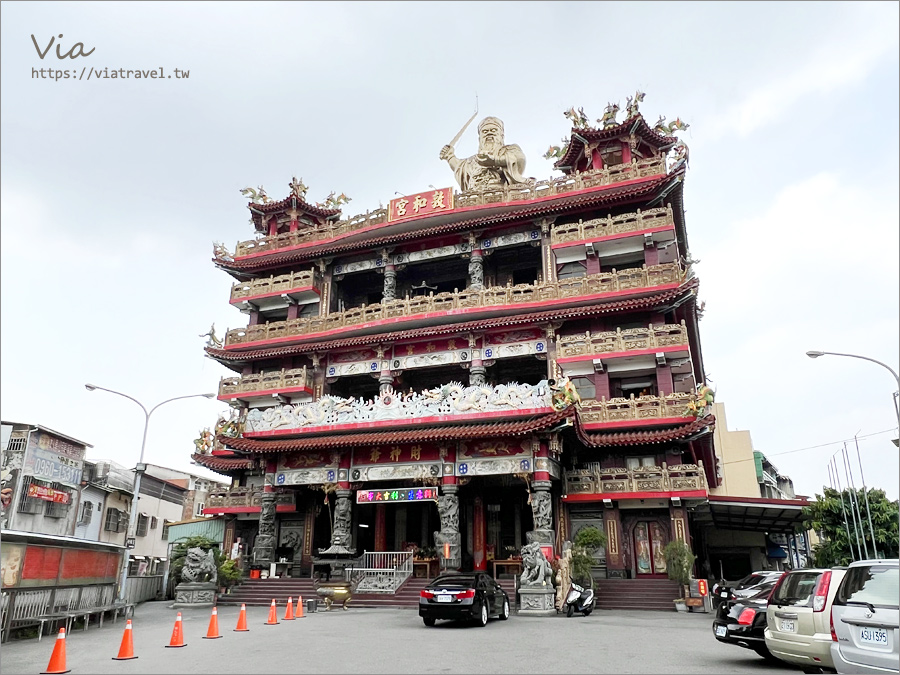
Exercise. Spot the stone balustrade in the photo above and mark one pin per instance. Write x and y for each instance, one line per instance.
(542, 188)
(598, 228)
(273, 381)
(282, 283)
(244, 497)
(663, 478)
(592, 284)
(619, 340)
(628, 409)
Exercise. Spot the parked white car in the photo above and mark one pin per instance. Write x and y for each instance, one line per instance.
(798, 615)
(865, 619)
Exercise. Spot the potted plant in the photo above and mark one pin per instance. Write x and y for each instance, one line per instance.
(229, 573)
(587, 540)
(679, 563)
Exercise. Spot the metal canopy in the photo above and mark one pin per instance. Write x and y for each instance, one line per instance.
(751, 514)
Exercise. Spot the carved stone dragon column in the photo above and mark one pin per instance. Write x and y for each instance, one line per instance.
(476, 270)
(340, 533)
(542, 510)
(448, 510)
(264, 547)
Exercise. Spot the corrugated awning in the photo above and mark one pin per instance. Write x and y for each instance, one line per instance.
(753, 514)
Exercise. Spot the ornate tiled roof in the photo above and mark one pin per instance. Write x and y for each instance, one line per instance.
(620, 194)
(633, 304)
(636, 125)
(445, 433)
(644, 437)
(286, 203)
(218, 463)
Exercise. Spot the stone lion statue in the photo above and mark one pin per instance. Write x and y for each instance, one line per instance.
(536, 570)
(199, 565)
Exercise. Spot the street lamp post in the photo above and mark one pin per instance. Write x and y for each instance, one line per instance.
(817, 354)
(140, 467)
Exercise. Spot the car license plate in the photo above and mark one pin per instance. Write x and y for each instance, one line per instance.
(721, 631)
(873, 636)
(445, 598)
(724, 594)
(788, 626)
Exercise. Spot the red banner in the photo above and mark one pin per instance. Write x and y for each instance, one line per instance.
(48, 494)
(421, 204)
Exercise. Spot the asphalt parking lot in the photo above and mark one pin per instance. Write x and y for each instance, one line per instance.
(396, 641)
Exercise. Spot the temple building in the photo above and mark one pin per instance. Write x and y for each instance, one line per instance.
(473, 368)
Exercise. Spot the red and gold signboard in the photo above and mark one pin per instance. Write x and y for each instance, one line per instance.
(421, 204)
(397, 454)
(48, 494)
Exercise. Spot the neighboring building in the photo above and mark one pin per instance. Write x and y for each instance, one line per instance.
(105, 503)
(750, 520)
(161, 502)
(406, 354)
(41, 479)
(198, 488)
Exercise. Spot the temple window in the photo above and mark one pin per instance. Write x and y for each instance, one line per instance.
(521, 370)
(514, 265)
(624, 261)
(356, 290)
(355, 386)
(632, 463)
(611, 155)
(623, 387)
(585, 387)
(572, 270)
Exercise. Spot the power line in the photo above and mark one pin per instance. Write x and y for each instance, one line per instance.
(811, 447)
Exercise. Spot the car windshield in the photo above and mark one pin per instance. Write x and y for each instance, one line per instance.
(797, 589)
(453, 582)
(749, 580)
(878, 585)
(763, 590)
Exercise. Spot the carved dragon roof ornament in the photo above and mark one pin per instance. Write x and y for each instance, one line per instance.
(258, 196)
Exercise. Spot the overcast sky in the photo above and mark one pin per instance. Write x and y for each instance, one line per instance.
(113, 190)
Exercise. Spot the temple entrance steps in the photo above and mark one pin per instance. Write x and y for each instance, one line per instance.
(653, 594)
(260, 592)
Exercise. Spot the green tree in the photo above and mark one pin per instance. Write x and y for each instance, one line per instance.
(587, 540)
(826, 517)
(679, 563)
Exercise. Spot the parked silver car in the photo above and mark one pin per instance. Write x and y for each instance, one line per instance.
(798, 617)
(865, 618)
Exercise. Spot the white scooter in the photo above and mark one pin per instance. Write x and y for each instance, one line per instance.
(579, 599)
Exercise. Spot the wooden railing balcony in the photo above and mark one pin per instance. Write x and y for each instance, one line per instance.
(244, 497)
(542, 188)
(619, 340)
(617, 410)
(278, 380)
(280, 284)
(675, 478)
(597, 228)
(403, 309)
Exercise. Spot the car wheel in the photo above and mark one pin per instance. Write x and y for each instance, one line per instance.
(482, 619)
(570, 610)
(504, 615)
(428, 621)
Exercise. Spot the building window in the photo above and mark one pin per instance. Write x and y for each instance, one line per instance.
(585, 387)
(142, 523)
(200, 507)
(571, 270)
(153, 522)
(56, 509)
(87, 511)
(165, 530)
(29, 504)
(116, 520)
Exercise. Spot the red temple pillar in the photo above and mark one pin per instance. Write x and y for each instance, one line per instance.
(542, 462)
(344, 471)
(478, 535)
(380, 530)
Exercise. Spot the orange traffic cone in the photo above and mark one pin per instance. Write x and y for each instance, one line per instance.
(126, 650)
(177, 634)
(273, 615)
(58, 657)
(242, 620)
(289, 611)
(299, 614)
(213, 631)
